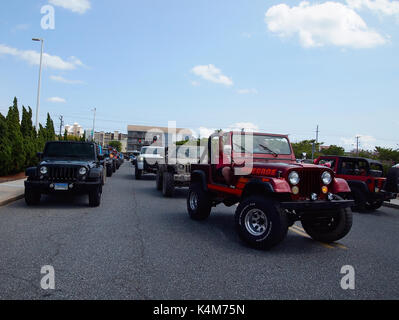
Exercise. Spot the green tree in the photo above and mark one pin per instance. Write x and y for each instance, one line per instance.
(50, 132)
(116, 144)
(65, 135)
(15, 139)
(333, 150)
(306, 146)
(41, 138)
(5, 148)
(29, 135)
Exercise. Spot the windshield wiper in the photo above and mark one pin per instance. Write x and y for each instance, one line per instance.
(241, 147)
(268, 149)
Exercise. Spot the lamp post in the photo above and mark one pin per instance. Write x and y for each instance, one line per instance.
(40, 82)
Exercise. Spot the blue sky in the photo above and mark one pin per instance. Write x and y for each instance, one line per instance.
(276, 66)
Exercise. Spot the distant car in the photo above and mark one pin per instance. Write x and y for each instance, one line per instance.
(66, 167)
(369, 187)
(148, 160)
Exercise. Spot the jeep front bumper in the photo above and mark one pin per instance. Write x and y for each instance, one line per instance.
(182, 177)
(309, 205)
(77, 186)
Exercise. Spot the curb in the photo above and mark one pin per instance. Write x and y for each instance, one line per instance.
(10, 200)
(391, 205)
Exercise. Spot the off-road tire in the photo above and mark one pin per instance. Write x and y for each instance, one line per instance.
(334, 225)
(109, 171)
(32, 198)
(168, 187)
(360, 200)
(95, 196)
(159, 180)
(138, 173)
(260, 222)
(198, 209)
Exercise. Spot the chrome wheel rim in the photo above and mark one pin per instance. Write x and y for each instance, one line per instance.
(193, 200)
(256, 222)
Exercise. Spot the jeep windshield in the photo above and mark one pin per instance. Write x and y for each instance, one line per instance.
(82, 151)
(261, 144)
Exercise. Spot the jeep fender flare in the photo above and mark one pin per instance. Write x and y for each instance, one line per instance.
(31, 172)
(361, 185)
(95, 173)
(341, 186)
(257, 187)
(199, 176)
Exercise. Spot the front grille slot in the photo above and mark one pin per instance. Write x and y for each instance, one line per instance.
(62, 173)
(310, 182)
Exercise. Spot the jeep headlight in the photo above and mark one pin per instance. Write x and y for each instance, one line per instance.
(326, 178)
(180, 166)
(43, 170)
(293, 178)
(141, 159)
(82, 171)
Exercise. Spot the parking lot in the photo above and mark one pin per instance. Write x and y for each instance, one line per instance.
(139, 245)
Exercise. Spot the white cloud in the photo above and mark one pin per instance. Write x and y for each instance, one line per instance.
(316, 25)
(385, 7)
(247, 91)
(63, 80)
(49, 61)
(247, 126)
(56, 100)
(213, 74)
(195, 83)
(78, 6)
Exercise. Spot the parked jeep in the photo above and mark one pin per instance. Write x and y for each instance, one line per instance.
(271, 189)
(148, 160)
(369, 187)
(175, 172)
(66, 167)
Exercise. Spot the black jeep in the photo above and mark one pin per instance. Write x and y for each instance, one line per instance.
(72, 167)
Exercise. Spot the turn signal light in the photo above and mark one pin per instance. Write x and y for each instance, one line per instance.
(324, 189)
(295, 190)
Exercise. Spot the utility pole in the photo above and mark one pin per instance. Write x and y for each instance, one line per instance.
(40, 82)
(357, 145)
(94, 122)
(61, 124)
(314, 145)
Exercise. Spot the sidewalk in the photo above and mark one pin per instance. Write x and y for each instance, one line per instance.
(11, 191)
(392, 204)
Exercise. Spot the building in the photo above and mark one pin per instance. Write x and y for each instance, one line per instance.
(139, 136)
(75, 130)
(104, 138)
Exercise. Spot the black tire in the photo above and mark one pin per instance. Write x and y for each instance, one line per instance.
(334, 225)
(375, 205)
(138, 173)
(109, 172)
(260, 222)
(168, 187)
(159, 180)
(360, 200)
(113, 167)
(95, 196)
(199, 202)
(392, 182)
(32, 198)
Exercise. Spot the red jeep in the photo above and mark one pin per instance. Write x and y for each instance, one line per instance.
(272, 190)
(365, 178)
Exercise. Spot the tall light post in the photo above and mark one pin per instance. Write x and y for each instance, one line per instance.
(40, 82)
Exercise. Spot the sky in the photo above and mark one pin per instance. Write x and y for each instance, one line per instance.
(271, 66)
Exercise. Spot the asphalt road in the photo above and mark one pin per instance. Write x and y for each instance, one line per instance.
(139, 245)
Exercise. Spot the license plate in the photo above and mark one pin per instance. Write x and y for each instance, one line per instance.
(61, 186)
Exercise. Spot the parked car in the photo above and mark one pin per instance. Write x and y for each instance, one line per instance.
(365, 177)
(148, 160)
(175, 171)
(66, 167)
(271, 189)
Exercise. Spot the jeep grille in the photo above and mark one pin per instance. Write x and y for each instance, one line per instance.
(310, 182)
(62, 173)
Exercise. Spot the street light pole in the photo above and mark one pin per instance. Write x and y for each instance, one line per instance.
(40, 82)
